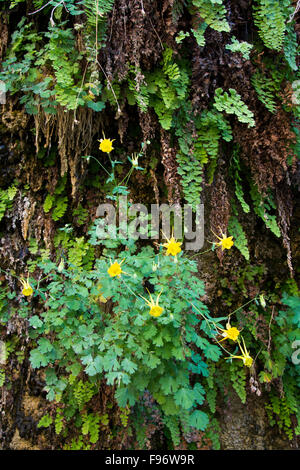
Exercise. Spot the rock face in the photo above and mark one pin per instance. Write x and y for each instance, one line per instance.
(242, 426)
(246, 427)
(42, 170)
(17, 443)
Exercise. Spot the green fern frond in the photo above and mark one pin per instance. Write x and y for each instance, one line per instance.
(290, 47)
(172, 423)
(213, 12)
(60, 208)
(243, 47)
(265, 89)
(240, 241)
(238, 379)
(263, 207)
(6, 198)
(270, 17)
(232, 104)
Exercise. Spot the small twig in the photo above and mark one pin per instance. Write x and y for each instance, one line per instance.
(143, 11)
(112, 23)
(91, 156)
(130, 290)
(53, 10)
(96, 44)
(77, 97)
(296, 11)
(156, 33)
(40, 8)
(270, 338)
(110, 85)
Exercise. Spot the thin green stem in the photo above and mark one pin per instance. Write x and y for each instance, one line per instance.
(198, 254)
(202, 315)
(127, 176)
(242, 306)
(91, 156)
(130, 290)
(9, 274)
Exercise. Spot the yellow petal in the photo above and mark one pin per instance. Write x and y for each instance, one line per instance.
(156, 311)
(114, 269)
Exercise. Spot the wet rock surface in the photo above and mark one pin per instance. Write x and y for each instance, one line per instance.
(246, 427)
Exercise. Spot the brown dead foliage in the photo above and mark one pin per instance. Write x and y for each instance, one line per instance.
(266, 147)
(4, 19)
(136, 32)
(148, 123)
(284, 199)
(75, 133)
(171, 177)
(220, 208)
(13, 119)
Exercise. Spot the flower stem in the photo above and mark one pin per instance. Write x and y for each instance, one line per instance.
(91, 156)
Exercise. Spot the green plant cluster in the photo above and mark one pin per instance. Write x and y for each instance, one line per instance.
(31, 54)
(278, 354)
(126, 346)
(213, 15)
(283, 363)
(6, 198)
(57, 202)
(242, 47)
(264, 207)
(200, 151)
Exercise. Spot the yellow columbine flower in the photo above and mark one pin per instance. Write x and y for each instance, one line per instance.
(246, 358)
(173, 247)
(115, 269)
(27, 289)
(155, 309)
(231, 332)
(225, 242)
(135, 159)
(106, 145)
